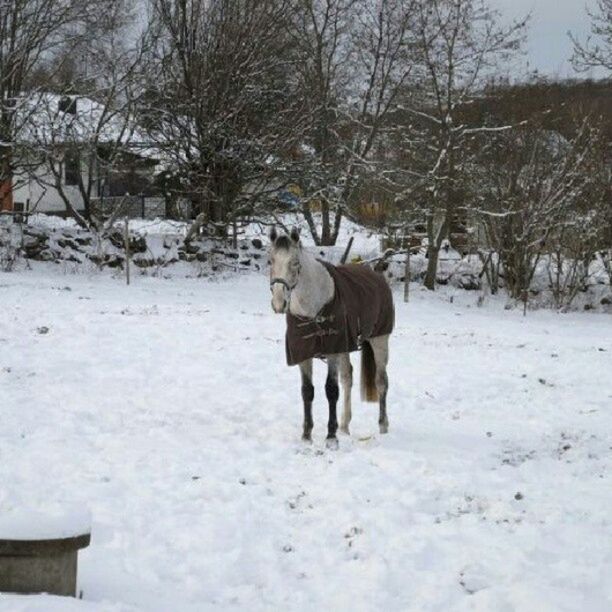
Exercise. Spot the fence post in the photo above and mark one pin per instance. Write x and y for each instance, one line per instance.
(126, 238)
(347, 250)
(407, 273)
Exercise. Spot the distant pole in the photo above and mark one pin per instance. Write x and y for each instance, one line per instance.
(347, 250)
(407, 269)
(126, 238)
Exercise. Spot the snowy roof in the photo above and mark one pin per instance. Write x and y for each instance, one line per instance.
(48, 119)
(54, 523)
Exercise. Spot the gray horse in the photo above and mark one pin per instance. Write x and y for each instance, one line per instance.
(332, 311)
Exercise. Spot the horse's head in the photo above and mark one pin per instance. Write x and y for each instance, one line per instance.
(284, 268)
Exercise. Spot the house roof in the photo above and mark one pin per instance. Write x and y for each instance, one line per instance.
(48, 119)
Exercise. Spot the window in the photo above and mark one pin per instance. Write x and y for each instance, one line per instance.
(67, 105)
(71, 168)
(18, 210)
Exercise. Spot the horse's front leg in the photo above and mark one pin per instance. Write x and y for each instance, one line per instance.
(307, 397)
(332, 392)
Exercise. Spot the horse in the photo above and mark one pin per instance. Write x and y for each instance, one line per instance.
(332, 311)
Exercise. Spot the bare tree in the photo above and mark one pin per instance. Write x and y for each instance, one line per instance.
(78, 141)
(541, 197)
(596, 51)
(459, 43)
(354, 59)
(30, 32)
(221, 103)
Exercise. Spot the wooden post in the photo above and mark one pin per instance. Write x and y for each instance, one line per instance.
(126, 238)
(407, 274)
(347, 250)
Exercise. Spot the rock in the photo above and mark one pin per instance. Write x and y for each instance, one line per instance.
(143, 262)
(116, 238)
(257, 243)
(113, 261)
(606, 300)
(95, 258)
(34, 245)
(65, 242)
(46, 255)
(469, 282)
(137, 244)
(190, 248)
(186, 256)
(35, 233)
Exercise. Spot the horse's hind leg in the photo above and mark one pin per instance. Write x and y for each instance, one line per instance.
(346, 379)
(307, 396)
(380, 347)
(332, 392)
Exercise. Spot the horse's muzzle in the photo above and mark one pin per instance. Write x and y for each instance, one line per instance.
(279, 308)
(281, 293)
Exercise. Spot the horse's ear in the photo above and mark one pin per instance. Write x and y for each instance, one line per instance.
(273, 235)
(295, 235)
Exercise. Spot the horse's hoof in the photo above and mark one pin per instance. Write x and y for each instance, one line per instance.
(384, 428)
(306, 438)
(331, 443)
(345, 429)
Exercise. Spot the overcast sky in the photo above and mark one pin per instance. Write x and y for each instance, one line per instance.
(549, 47)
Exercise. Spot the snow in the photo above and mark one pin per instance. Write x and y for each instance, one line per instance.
(44, 221)
(167, 409)
(32, 524)
(50, 603)
(42, 122)
(366, 243)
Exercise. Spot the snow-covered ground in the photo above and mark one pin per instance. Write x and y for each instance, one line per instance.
(166, 409)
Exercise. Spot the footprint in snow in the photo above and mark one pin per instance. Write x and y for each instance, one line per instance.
(473, 581)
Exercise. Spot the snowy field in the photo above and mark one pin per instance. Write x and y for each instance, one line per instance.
(166, 409)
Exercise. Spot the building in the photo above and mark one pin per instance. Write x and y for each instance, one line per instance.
(62, 151)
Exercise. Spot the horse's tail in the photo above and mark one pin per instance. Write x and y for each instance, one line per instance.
(369, 392)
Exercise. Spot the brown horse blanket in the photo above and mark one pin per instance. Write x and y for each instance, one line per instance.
(362, 308)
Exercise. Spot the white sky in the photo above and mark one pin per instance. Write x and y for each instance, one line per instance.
(548, 48)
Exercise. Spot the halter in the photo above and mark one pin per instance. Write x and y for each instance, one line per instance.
(288, 288)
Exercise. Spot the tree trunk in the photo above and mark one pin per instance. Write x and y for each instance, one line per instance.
(432, 255)
(432, 267)
(6, 181)
(434, 245)
(325, 226)
(407, 274)
(311, 224)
